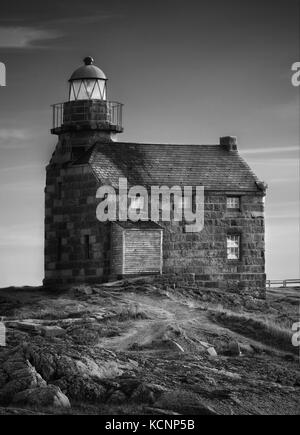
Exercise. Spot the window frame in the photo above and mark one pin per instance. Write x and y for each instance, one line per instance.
(59, 190)
(233, 248)
(59, 250)
(231, 197)
(87, 247)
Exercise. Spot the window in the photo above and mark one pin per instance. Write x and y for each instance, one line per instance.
(87, 252)
(233, 202)
(233, 247)
(88, 89)
(59, 248)
(59, 185)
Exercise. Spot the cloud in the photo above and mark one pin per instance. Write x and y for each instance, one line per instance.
(25, 37)
(12, 133)
(279, 162)
(13, 35)
(14, 138)
(271, 150)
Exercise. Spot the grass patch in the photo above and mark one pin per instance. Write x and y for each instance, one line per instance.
(130, 312)
(263, 330)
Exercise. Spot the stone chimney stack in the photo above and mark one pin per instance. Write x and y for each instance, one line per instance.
(229, 143)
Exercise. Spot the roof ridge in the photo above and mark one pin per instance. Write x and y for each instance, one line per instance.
(156, 164)
(162, 144)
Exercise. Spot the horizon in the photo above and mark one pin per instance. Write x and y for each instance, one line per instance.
(187, 75)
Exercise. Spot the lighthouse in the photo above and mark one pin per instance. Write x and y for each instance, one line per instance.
(226, 252)
(76, 249)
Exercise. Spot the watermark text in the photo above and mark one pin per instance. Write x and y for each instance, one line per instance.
(296, 336)
(2, 74)
(162, 203)
(296, 75)
(2, 334)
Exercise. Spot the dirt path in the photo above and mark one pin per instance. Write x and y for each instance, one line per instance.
(164, 315)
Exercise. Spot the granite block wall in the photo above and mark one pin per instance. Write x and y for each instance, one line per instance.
(77, 245)
(204, 254)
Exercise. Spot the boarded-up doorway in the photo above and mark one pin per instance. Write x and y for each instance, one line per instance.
(136, 249)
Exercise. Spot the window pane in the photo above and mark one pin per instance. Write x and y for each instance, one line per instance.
(89, 89)
(231, 255)
(76, 87)
(59, 248)
(233, 202)
(84, 90)
(233, 247)
(100, 90)
(87, 247)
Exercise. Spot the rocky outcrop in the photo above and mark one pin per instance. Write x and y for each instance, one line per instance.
(184, 402)
(21, 383)
(46, 396)
(37, 328)
(185, 354)
(16, 375)
(52, 373)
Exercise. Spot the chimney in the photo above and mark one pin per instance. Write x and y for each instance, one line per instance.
(229, 143)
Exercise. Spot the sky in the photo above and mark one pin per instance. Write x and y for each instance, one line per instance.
(187, 71)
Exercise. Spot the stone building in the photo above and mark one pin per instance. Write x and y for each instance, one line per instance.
(229, 252)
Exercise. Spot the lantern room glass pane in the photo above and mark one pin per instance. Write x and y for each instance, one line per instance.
(88, 89)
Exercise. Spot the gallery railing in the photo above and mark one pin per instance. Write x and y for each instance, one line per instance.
(85, 111)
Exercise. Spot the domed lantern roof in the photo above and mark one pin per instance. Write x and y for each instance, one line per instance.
(88, 82)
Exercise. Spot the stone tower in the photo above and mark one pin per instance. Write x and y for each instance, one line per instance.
(88, 117)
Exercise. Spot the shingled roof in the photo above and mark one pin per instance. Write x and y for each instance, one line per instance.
(212, 166)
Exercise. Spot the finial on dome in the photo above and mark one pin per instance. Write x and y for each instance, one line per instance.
(88, 60)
